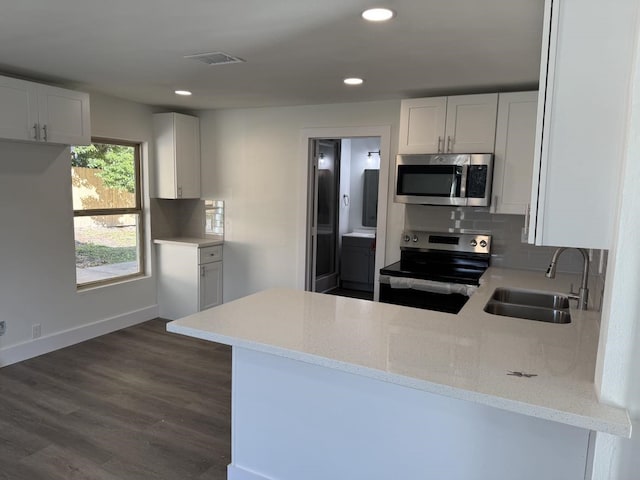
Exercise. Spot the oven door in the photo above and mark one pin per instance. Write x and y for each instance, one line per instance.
(438, 296)
(431, 184)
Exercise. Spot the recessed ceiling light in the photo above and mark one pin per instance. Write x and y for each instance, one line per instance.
(377, 14)
(353, 81)
(184, 93)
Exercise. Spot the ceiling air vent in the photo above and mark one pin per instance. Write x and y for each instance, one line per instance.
(215, 58)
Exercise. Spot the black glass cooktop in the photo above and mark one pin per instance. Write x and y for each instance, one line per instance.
(439, 266)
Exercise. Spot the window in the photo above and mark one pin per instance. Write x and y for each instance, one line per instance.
(107, 210)
(214, 217)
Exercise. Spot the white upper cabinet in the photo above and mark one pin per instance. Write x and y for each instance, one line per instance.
(471, 123)
(582, 115)
(513, 164)
(64, 116)
(18, 110)
(177, 150)
(40, 113)
(459, 124)
(422, 122)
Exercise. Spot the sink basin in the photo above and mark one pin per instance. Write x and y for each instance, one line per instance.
(529, 313)
(530, 298)
(530, 305)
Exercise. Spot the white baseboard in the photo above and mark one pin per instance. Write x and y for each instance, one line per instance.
(234, 472)
(65, 338)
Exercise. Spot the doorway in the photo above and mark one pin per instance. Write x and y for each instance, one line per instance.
(342, 209)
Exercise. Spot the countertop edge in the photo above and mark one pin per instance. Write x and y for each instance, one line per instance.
(621, 428)
(189, 241)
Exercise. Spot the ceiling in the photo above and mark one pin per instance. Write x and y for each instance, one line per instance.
(296, 51)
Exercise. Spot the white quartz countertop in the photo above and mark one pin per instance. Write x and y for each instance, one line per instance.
(191, 241)
(465, 356)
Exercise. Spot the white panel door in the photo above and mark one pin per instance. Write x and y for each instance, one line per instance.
(210, 285)
(515, 138)
(64, 116)
(471, 123)
(19, 112)
(422, 122)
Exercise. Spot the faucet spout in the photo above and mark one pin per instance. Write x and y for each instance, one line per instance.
(583, 294)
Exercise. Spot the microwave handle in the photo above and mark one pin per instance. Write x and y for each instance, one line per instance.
(463, 181)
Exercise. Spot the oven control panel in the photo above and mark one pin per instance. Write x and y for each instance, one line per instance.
(455, 242)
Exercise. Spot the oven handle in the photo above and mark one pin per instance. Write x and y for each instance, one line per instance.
(428, 285)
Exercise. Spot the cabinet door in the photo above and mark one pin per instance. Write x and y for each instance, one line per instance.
(584, 122)
(372, 265)
(19, 112)
(471, 123)
(210, 285)
(64, 116)
(354, 263)
(187, 156)
(515, 139)
(422, 122)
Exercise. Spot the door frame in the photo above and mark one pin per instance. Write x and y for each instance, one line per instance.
(308, 134)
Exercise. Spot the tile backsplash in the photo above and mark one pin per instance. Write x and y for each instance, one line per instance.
(507, 249)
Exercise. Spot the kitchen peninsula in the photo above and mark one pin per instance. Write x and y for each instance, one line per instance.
(332, 387)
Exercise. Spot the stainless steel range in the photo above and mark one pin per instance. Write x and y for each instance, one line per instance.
(436, 271)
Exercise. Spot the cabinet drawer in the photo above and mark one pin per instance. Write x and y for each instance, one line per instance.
(210, 254)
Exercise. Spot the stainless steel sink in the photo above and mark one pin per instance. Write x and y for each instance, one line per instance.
(530, 298)
(530, 305)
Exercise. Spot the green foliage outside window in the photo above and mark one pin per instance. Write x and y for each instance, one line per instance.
(115, 162)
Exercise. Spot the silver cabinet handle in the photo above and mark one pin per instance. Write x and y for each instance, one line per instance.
(448, 143)
(44, 133)
(439, 141)
(35, 131)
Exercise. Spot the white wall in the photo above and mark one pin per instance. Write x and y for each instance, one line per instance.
(37, 257)
(617, 376)
(251, 160)
(359, 162)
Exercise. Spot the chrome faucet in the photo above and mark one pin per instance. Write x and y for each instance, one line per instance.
(583, 293)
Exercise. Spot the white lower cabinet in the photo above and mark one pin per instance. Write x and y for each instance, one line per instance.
(189, 278)
(210, 291)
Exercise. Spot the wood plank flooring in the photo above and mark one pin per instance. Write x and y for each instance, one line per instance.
(137, 404)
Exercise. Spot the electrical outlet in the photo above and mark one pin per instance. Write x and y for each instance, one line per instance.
(35, 331)
(3, 327)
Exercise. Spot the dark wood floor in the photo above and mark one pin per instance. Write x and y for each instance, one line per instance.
(136, 404)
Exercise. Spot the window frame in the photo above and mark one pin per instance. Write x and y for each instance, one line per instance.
(138, 210)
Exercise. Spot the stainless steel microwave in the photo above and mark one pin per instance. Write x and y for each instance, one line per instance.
(444, 179)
